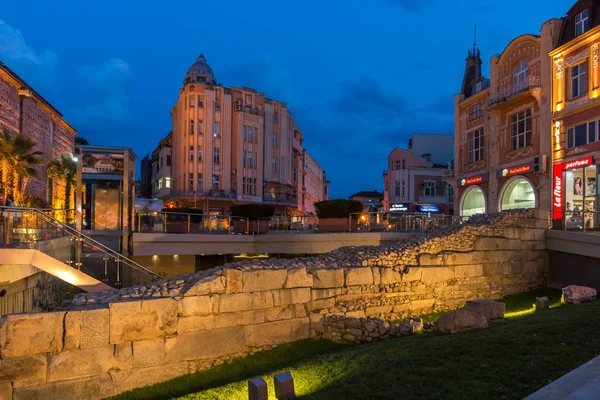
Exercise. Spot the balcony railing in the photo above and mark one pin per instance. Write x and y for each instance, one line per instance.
(521, 86)
(189, 194)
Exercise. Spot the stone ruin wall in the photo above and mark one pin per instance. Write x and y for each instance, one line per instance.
(106, 343)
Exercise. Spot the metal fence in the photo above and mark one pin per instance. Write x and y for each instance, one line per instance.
(400, 222)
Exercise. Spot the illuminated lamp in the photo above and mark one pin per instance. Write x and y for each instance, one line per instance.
(284, 386)
(542, 303)
(363, 218)
(257, 389)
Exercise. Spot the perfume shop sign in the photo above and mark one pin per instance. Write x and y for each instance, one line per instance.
(582, 162)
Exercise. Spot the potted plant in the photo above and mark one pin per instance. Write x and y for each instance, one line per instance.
(338, 215)
(251, 218)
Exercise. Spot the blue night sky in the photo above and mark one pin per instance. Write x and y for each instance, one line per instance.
(360, 77)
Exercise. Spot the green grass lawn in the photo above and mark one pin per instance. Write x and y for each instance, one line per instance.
(509, 360)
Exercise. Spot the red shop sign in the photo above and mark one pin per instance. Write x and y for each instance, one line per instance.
(582, 162)
(474, 180)
(557, 192)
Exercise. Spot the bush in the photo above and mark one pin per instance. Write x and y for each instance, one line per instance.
(252, 211)
(339, 208)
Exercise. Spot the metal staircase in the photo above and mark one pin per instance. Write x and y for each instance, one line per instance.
(29, 228)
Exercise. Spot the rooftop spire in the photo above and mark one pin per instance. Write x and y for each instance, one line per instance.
(475, 38)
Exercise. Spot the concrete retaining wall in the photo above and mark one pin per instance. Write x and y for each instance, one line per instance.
(108, 343)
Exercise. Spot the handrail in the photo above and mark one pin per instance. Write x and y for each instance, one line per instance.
(114, 254)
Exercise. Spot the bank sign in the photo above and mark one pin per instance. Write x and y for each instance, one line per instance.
(474, 180)
(512, 171)
(399, 207)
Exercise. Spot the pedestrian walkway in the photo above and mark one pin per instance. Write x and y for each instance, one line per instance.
(582, 383)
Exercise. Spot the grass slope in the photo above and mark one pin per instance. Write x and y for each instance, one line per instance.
(510, 360)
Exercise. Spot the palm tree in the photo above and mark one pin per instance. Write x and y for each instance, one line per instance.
(65, 169)
(19, 157)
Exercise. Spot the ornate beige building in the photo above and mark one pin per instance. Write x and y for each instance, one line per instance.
(233, 145)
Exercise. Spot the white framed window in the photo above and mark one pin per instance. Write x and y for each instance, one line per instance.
(216, 155)
(160, 183)
(168, 182)
(217, 129)
(475, 112)
(274, 140)
(199, 153)
(397, 165)
(582, 134)
(581, 23)
(521, 75)
(200, 127)
(191, 126)
(429, 188)
(249, 160)
(579, 79)
(476, 148)
(250, 129)
(274, 164)
(191, 153)
(520, 130)
(192, 101)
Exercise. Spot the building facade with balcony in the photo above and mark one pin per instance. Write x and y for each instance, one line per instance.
(575, 137)
(502, 145)
(232, 145)
(161, 168)
(314, 185)
(413, 183)
(23, 111)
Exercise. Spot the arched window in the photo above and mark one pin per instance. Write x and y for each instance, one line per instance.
(472, 202)
(517, 193)
(521, 75)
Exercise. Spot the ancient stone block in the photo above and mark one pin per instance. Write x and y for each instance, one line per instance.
(291, 296)
(6, 391)
(488, 308)
(359, 276)
(422, 304)
(233, 279)
(317, 294)
(245, 301)
(317, 322)
(138, 320)
(124, 352)
(279, 313)
(431, 259)
(87, 388)
(378, 310)
(194, 305)
(460, 321)
(261, 280)
(148, 352)
(436, 274)
(211, 284)
(195, 323)
(355, 314)
(575, 294)
(95, 328)
(328, 278)
(413, 274)
(240, 318)
(26, 371)
(389, 276)
(491, 243)
(459, 258)
(80, 363)
(73, 330)
(320, 304)
(204, 344)
(299, 310)
(468, 271)
(298, 277)
(141, 377)
(277, 332)
(29, 334)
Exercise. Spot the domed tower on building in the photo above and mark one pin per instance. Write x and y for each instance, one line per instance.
(200, 72)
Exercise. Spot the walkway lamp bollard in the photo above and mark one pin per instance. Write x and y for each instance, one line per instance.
(284, 386)
(257, 389)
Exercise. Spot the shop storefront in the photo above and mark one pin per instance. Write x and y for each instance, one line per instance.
(517, 191)
(575, 194)
(472, 200)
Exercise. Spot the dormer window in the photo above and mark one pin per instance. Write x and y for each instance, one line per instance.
(581, 23)
(521, 75)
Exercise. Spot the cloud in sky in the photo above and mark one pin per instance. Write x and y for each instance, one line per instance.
(15, 51)
(106, 87)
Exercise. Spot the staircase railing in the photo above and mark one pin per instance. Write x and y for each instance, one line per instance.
(33, 228)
